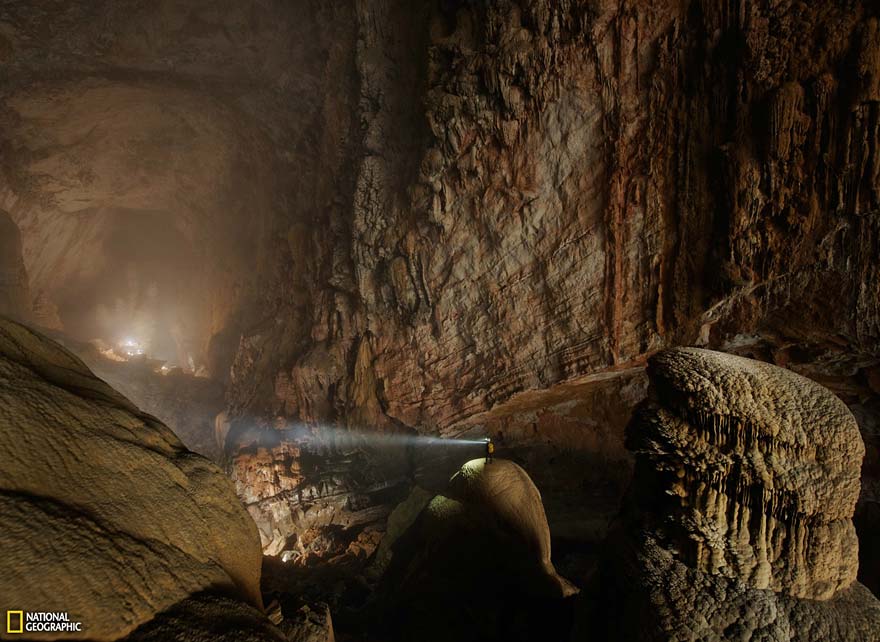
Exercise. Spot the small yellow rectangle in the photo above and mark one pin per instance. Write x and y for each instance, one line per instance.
(10, 628)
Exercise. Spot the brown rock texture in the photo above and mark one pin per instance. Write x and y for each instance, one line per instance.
(316, 493)
(746, 479)
(451, 203)
(549, 201)
(475, 564)
(748, 449)
(548, 191)
(14, 296)
(208, 617)
(665, 599)
(311, 624)
(103, 512)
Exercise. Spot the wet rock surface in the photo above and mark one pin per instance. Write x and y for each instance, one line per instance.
(740, 524)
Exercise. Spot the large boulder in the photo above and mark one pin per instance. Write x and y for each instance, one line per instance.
(503, 496)
(475, 564)
(740, 520)
(103, 512)
(208, 617)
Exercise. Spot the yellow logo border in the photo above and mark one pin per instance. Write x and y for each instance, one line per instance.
(20, 615)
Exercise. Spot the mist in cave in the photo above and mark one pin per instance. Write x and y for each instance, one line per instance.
(439, 320)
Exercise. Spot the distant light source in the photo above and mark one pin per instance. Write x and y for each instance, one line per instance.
(130, 347)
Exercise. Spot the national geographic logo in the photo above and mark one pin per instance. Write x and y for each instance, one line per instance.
(41, 622)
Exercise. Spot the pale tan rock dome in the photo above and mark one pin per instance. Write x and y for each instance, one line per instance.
(103, 512)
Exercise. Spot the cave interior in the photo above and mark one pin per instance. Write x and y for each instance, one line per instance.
(336, 248)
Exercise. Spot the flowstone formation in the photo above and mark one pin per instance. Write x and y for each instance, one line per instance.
(762, 466)
(741, 527)
(106, 516)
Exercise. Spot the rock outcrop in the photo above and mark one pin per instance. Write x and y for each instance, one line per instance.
(401, 215)
(316, 492)
(746, 479)
(502, 494)
(550, 191)
(210, 617)
(104, 514)
(475, 564)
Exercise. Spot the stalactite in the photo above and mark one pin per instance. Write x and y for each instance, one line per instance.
(768, 525)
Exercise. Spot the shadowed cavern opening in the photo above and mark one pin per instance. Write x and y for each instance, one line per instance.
(142, 210)
(333, 247)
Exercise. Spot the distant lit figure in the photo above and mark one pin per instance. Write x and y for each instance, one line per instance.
(490, 450)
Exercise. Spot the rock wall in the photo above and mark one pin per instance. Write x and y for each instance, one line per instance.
(549, 192)
(408, 215)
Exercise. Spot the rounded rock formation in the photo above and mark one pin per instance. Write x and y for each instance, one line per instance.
(739, 522)
(505, 494)
(103, 512)
(762, 468)
(482, 553)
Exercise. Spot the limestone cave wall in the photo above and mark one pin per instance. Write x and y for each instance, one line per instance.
(546, 191)
(442, 216)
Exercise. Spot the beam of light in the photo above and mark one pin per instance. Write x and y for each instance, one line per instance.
(335, 436)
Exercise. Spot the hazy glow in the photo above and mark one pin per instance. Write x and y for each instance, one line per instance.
(131, 347)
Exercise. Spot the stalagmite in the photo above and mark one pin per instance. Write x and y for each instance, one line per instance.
(761, 538)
